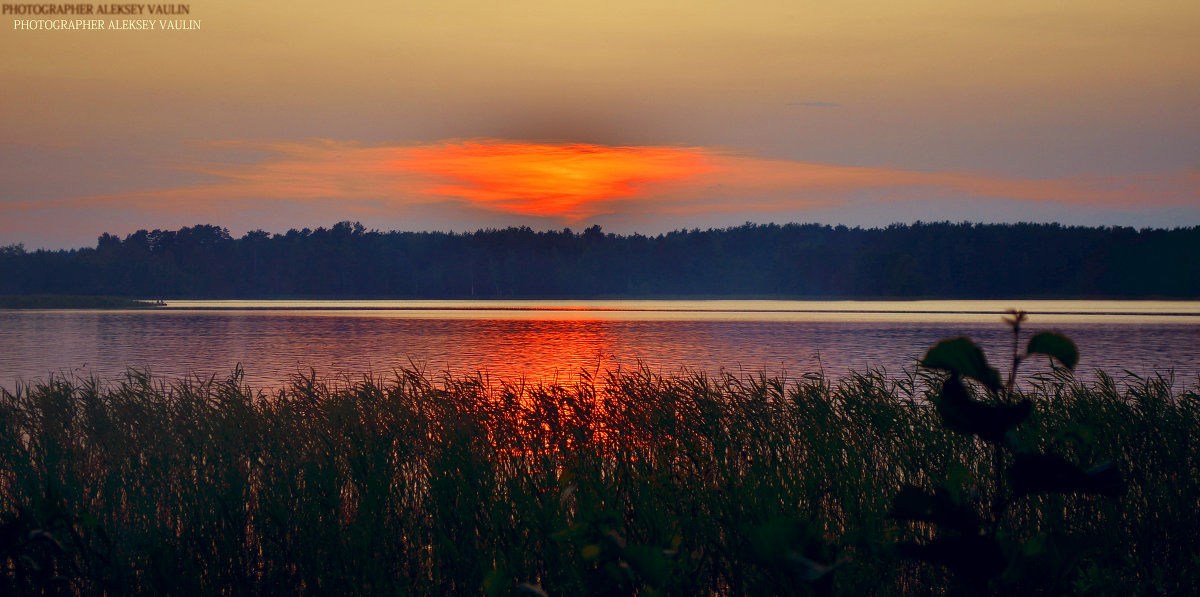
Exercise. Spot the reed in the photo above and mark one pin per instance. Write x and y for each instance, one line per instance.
(633, 483)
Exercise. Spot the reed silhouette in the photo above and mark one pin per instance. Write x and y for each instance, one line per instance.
(629, 483)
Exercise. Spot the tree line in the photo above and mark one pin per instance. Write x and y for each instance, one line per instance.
(942, 259)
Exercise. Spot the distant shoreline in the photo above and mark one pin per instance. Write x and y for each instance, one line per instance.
(793, 260)
(596, 303)
(66, 301)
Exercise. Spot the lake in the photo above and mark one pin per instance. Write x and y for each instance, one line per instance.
(542, 341)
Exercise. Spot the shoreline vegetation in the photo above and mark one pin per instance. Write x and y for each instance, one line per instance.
(73, 301)
(67, 301)
(632, 483)
(940, 259)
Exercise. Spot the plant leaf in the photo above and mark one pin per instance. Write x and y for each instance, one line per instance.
(964, 415)
(649, 563)
(913, 503)
(794, 546)
(528, 588)
(961, 356)
(972, 556)
(496, 583)
(1043, 473)
(809, 570)
(1056, 345)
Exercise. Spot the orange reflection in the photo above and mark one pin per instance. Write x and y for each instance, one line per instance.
(540, 351)
(567, 181)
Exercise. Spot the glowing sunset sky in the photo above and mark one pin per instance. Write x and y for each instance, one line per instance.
(639, 116)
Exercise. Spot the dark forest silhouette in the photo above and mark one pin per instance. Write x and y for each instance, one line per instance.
(804, 260)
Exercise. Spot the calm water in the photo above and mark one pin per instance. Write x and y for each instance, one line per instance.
(554, 340)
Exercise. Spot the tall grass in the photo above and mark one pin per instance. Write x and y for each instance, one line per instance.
(635, 483)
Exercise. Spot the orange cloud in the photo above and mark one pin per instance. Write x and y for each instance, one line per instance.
(536, 179)
(474, 181)
(778, 182)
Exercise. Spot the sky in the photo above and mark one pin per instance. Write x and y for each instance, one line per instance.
(639, 116)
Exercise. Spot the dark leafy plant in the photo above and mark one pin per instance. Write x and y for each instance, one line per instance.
(971, 539)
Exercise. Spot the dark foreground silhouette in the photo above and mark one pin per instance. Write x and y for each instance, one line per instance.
(941, 480)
